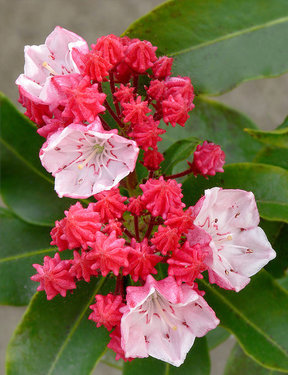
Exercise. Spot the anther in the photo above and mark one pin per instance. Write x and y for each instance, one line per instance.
(48, 67)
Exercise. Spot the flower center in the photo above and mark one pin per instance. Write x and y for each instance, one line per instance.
(162, 312)
(97, 149)
(48, 67)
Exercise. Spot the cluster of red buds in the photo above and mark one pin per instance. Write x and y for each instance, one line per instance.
(69, 90)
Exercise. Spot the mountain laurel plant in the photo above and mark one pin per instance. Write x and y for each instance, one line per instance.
(171, 204)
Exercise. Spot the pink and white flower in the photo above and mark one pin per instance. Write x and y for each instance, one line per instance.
(47, 60)
(86, 160)
(227, 221)
(162, 319)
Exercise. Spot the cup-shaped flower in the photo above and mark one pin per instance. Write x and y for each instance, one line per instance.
(85, 160)
(47, 60)
(162, 319)
(227, 220)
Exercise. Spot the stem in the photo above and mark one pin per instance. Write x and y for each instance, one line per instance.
(151, 174)
(135, 82)
(136, 226)
(113, 114)
(184, 173)
(119, 290)
(112, 86)
(128, 234)
(131, 181)
(150, 227)
(104, 124)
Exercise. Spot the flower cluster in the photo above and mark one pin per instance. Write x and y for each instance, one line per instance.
(81, 98)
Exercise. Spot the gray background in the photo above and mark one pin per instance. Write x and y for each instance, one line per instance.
(30, 21)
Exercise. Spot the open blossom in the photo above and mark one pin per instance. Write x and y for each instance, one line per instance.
(162, 319)
(87, 160)
(228, 221)
(47, 60)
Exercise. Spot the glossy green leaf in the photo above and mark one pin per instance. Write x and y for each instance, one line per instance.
(239, 363)
(257, 316)
(19, 135)
(217, 123)
(219, 43)
(25, 186)
(197, 362)
(178, 151)
(216, 337)
(278, 137)
(278, 266)
(28, 194)
(272, 155)
(268, 183)
(21, 245)
(55, 337)
(284, 282)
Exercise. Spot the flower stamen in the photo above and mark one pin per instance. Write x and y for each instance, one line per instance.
(97, 149)
(48, 67)
(162, 314)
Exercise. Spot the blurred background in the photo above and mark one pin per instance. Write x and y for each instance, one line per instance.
(27, 22)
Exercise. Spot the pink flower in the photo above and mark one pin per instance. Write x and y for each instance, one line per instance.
(108, 253)
(54, 276)
(106, 311)
(228, 221)
(110, 204)
(87, 160)
(47, 60)
(162, 319)
(166, 239)
(141, 260)
(140, 55)
(77, 228)
(208, 159)
(161, 197)
(81, 267)
(187, 263)
(162, 67)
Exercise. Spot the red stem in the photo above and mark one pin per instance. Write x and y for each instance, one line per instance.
(135, 82)
(113, 114)
(150, 227)
(112, 86)
(105, 124)
(151, 174)
(128, 234)
(184, 173)
(136, 226)
(119, 290)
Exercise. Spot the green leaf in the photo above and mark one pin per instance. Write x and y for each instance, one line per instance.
(239, 363)
(272, 155)
(284, 282)
(219, 43)
(268, 183)
(217, 123)
(257, 316)
(216, 337)
(55, 337)
(278, 266)
(197, 362)
(25, 187)
(278, 137)
(178, 151)
(21, 245)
